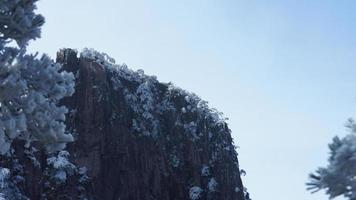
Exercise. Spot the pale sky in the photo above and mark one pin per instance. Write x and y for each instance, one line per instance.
(283, 72)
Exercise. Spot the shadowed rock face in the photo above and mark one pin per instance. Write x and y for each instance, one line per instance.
(179, 148)
(138, 138)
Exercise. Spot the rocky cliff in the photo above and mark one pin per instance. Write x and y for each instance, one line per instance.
(135, 139)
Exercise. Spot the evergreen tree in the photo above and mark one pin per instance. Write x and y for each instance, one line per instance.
(30, 87)
(339, 177)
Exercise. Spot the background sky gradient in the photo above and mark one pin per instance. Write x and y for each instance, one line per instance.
(283, 72)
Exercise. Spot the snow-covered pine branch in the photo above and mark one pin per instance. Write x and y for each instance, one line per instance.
(339, 177)
(30, 87)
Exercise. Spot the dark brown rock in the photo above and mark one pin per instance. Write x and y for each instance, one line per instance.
(128, 166)
(138, 138)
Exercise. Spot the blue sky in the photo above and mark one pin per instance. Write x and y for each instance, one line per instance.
(283, 72)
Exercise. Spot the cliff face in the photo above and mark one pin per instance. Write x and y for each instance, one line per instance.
(138, 139)
(142, 139)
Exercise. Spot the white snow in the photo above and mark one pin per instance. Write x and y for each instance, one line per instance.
(61, 165)
(212, 185)
(4, 175)
(205, 171)
(195, 193)
(237, 189)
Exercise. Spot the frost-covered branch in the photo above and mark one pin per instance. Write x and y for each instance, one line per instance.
(339, 177)
(19, 22)
(30, 87)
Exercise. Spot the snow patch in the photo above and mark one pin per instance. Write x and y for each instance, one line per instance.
(212, 185)
(205, 171)
(195, 193)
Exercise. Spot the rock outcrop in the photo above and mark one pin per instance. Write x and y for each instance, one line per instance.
(137, 138)
(142, 139)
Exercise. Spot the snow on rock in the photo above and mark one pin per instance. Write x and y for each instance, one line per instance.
(4, 175)
(172, 132)
(212, 185)
(175, 161)
(237, 189)
(8, 187)
(195, 193)
(205, 171)
(62, 167)
(143, 100)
